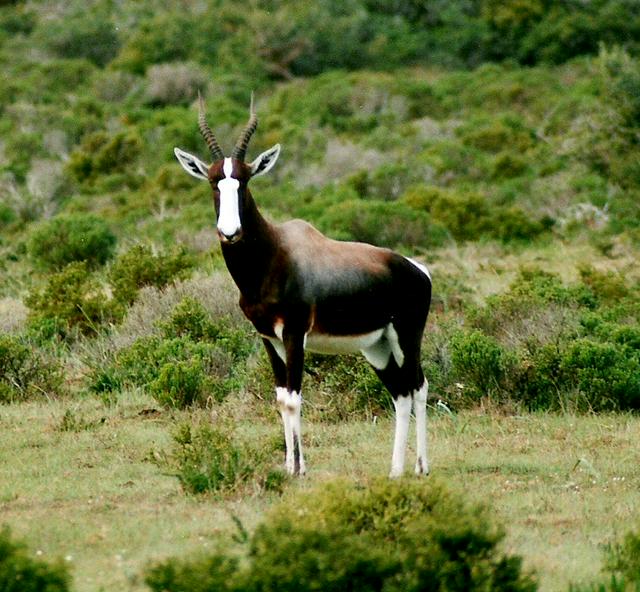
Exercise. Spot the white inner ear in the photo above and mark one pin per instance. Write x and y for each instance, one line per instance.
(264, 163)
(194, 166)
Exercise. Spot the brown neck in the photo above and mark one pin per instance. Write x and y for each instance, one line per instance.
(250, 261)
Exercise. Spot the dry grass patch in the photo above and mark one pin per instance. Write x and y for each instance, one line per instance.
(78, 481)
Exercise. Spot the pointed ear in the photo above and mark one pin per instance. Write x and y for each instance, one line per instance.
(194, 166)
(264, 163)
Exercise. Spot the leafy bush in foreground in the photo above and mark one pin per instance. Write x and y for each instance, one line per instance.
(20, 573)
(391, 535)
(26, 372)
(74, 237)
(209, 459)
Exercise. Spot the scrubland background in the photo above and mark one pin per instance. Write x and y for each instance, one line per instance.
(495, 141)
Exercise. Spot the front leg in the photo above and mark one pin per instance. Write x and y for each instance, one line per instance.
(289, 402)
(294, 348)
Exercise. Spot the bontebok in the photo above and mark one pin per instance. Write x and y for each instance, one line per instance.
(302, 290)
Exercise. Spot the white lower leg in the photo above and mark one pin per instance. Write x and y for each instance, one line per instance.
(295, 407)
(420, 411)
(282, 396)
(289, 405)
(403, 414)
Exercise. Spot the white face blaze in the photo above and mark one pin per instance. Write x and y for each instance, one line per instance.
(229, 223)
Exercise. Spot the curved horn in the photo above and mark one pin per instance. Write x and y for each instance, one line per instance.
(207, 134)
(243, 141)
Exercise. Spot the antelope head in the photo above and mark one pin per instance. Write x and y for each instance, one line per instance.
(228, 176)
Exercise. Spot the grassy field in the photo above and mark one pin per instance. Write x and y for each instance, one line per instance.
(77, 480)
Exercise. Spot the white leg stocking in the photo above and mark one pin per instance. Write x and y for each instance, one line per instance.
(403, 414)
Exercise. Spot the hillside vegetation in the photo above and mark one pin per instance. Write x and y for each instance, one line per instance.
(495, 141)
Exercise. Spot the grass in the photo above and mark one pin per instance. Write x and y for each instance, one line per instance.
(77, 480)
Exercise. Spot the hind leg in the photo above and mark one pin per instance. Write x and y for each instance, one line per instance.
(408, 388)
(420, 412)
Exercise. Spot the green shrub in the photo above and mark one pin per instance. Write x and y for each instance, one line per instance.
(494, 135)
(72, 237)
(606, 376)
(481, 363)
(624, 558)
(195, 359)
(343, 388)
(468, 215)
(507, 165)
(381, 223)
(389, 535)
(208, 459)
(140, 266)
(77, 36)
(26, 372)
(101, 154)
(180, 384)
(19, 572)
(72, 299)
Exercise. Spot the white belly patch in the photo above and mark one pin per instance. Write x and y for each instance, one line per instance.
(376, 346)
(341, 344)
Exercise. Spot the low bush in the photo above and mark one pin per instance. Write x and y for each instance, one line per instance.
(208, 459)
(19, 572)
(72, 237)
(469, 215)
(26, 372)
(481, 364)
(390, 535)
(342, 388)
(76, 36)
(194, 360)
(140, 266)
(554, 346)
(382, 223)
(101, 154)
(72, 300)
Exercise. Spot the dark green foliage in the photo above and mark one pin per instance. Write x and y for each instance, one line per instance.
(72, 237)
(180, 384)
(71, 300)
(19, 572)
(343, 388)
(140, 266)
(27, 372)
(624, 558)
(607, 375)
(381, 223)
(95, 39)
(215, 573)
(480, 363)
(469, 215)
(548, 345)
(208, 459)
(195, 360)
(101, 154)
(390, 535)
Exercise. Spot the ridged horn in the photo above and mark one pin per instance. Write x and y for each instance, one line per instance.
(240, 149)
(207, 134)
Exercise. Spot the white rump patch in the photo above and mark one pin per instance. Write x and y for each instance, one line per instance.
(421, 267)
(229, 218)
